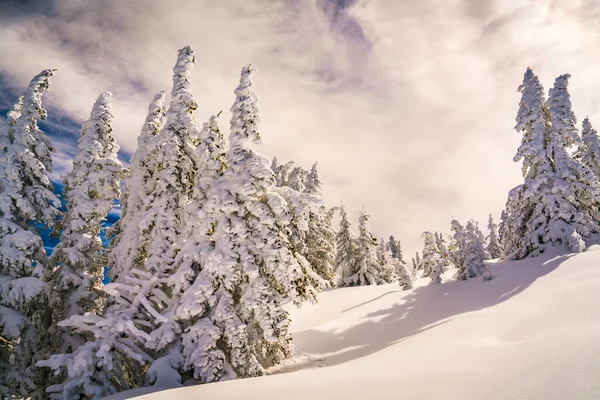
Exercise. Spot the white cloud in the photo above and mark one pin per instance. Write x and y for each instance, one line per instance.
(408, 106)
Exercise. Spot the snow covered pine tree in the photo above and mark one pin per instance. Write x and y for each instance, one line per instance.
(26, 198)
(89, 191)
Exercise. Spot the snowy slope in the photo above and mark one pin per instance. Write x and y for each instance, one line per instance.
(531, 333)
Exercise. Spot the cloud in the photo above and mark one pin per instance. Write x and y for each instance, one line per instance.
(408, 106)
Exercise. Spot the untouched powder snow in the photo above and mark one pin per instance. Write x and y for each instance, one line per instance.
(533, 332)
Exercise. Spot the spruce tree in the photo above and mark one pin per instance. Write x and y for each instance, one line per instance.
(366, 270)
(89, 191)
(402, 274)
(558, 202)
(493, 247)
(129, 248)
(481, 238)
(589, 147)
(167, 217)
(249, 268)
(320, 237)
(139, 324)
(346, 260)
(302, 191)
(431, 254)
(387, 263)
(470, 250)
(569, 207)
(26, 198)
(395, 248)
(534, 123)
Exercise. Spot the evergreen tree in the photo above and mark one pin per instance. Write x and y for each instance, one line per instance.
(589, 147)
(419, 261)
(241, 327)
(469, 250)
(129, 248)
(26, 198)
(481, 238)
(558, 202)
(534, 123)
(440, 244)
(493, 247)
(402, 274)
(366, 270)
(307, 220)
(387, 263)
(569, 207)
(89, 191)
(139, 324)
(431, 255)
(396, 249)
(320, 237)
(346, 256)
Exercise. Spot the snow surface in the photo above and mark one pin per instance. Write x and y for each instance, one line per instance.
(533, 332)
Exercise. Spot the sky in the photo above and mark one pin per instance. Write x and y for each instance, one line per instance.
(407, 106)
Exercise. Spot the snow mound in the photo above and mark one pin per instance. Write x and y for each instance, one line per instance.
(530, 333)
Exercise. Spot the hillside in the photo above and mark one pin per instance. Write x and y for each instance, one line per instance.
(533, 332)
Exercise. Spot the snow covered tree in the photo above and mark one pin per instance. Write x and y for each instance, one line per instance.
(589, 147)
(402, 274)
(396, 248)
(493, 247)
(138, 324)
(346, 256)
(481, 238)
(431, 254)
(307, 218)
(89, 191)
(281, 171)
(387, 263)
(438, 269)
(365, 270)
(320, 237)
(26, 198)
(573, 199)
(472, 253)
(129, 248)
(534, 123)
(459, 240)
(239, 326)
(558, 202)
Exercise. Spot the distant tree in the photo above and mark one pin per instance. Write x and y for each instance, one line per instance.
(396, 249)
(589, 148)
(493, 248)
(431, 255)
(308, 223)
(26, 198)
(364, 268)
(346, 261)
(320, 237)
(481, 238)
(419, 261)
(387, 263)
(470, 250)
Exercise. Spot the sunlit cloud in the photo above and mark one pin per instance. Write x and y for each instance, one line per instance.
(408, 106)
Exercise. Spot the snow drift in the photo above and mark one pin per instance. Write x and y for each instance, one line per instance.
(532, 332)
